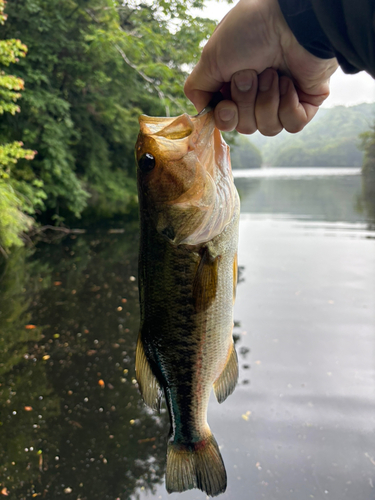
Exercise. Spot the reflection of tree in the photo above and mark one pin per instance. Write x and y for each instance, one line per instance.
(71, 379)
(14, 305)
(367, 200)
(246, 187)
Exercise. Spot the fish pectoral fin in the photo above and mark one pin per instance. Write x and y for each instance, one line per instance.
(196, 465)
(205, 281)
(224, 385)
(148, 384)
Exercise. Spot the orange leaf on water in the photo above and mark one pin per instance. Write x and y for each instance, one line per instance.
(30, 327)
(5, 492)
(28, 408)
(57, 283)
(101, 383)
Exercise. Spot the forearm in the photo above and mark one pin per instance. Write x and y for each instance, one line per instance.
(343, 28)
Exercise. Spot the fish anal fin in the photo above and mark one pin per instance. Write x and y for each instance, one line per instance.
(235, 276)
(196, 465)
(205, 281)
(148, 384)
(225, 384)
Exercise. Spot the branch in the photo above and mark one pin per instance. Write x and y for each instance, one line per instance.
(149, 80)
(65, 230)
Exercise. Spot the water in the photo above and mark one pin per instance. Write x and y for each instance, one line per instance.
(301, 422)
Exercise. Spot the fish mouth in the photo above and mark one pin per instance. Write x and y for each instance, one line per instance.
(190, 196)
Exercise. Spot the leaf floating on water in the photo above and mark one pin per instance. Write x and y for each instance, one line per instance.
(5, 492)
(46, 356)
(246, 415)
(28, 408)
(101, 383)
(75, 424)
(57, 283)
(30, 327)
(146, 440)
(68, 490)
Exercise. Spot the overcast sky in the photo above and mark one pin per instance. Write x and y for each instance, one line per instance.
(345, 89)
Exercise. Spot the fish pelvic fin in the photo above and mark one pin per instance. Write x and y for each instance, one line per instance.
(148, 384)
(197, 465)
(225, 384)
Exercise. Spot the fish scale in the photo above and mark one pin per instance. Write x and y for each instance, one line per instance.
(187, 278)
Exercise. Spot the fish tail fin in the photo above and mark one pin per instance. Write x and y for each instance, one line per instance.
(197, 465)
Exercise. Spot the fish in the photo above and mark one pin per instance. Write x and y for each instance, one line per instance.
(189, 216)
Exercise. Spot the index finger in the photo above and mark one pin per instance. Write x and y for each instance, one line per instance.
(201, 85)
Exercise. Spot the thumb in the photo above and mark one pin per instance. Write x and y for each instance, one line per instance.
(200, 85)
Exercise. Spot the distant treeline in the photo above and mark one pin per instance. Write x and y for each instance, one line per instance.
(330, 140)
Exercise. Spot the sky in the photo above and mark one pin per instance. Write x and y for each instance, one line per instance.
(346, 90)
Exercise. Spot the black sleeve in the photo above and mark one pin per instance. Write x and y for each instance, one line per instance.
(341, 28)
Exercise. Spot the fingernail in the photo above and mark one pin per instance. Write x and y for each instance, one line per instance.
(226, 114)
(284, 84)
(265, 81)
(243, 82)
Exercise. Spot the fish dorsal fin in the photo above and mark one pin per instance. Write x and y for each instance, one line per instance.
(148, 384)
(224, 385)
(205, 281)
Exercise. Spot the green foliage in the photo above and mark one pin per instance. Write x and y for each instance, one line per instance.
(244, 154)
(17, 196)
(92, 68)
(331, 139)
(343, 153)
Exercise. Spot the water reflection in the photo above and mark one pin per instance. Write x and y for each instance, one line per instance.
(301, 420)
(322, 196)
(71, 418)
(366, 203)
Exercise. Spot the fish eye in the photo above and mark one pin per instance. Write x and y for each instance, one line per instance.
(146, 163)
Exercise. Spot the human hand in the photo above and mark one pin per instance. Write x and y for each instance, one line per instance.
(268, 79)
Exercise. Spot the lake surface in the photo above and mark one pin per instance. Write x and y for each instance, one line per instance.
(300, 424)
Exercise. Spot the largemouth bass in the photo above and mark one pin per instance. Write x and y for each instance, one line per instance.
(189, 214)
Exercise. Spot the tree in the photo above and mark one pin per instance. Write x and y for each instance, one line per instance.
(92, 69)
(16, 198)
(244, 154)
